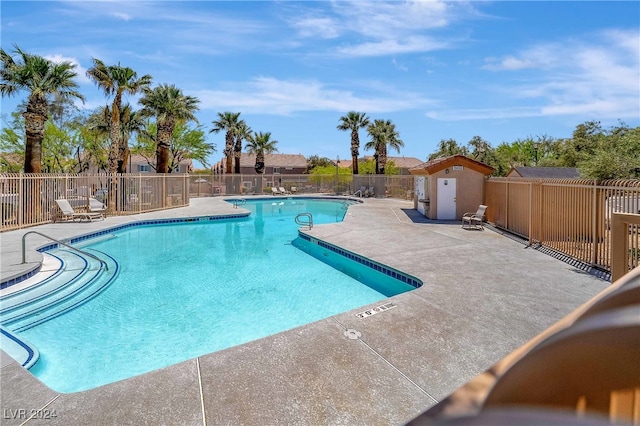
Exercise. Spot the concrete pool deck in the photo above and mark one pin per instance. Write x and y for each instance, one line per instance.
(484, 295)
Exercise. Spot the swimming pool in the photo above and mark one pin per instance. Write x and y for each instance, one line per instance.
(190, 288)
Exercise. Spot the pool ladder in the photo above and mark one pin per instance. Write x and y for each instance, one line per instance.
(300, 219)
(239, 202)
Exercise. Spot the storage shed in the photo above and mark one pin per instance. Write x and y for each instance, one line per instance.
(448, 187)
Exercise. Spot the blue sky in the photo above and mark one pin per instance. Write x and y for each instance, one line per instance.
(501, 70)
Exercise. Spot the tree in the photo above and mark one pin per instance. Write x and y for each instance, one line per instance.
(481, 150)
(42, 78)
(383, 133)
(117, 80)
(261, 144)
(188, 143)
(608, 154)
(12, 144)
(315, 161)
(131, 122)
(57, 148)
(354, 121)
(447, 148)
(368, 167)
(227, 121)
(169, 106)
(242, 133)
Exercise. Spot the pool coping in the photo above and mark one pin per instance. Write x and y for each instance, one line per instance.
(400, 363)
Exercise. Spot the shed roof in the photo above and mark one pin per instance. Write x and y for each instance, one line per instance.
(437, 164)
(545, 172)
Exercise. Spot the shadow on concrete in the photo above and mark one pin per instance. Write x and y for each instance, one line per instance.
(417, 217)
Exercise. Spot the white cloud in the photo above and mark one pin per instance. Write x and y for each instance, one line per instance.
(483, 113)
(398, 65)
(392, 46)
(378, 28)
(266, 95)
(592, 77)
(79, 69)
(322, 27)
(123, 16)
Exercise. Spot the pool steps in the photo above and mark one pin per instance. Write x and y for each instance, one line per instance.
(79, 280)
(18, 348)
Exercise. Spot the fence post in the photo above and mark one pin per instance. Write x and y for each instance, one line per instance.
(530, 213)
(619, 246)
(506, 207)
(594, 228)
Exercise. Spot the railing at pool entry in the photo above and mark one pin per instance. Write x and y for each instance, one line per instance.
(238, 202)
(24, 253)
(300, 219)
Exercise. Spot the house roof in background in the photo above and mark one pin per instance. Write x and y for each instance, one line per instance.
(437, 164)
(546, 172)
(141, 159)
(270, 160)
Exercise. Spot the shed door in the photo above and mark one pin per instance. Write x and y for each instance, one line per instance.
(446, 209)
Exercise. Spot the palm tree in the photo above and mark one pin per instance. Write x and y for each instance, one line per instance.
(354, 121)
(383, 133)
(261, 144)
(41, 78)
(117, 80)
(169, 106)
(131, 122)
(242, 133)
(227, 121)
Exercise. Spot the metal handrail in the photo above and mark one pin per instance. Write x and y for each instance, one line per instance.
(24, 257)
(307, 215)
(239, 202)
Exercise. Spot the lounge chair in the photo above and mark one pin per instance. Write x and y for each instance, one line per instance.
(360, 192)
(283, 191)
(370, 192)
(474, 219)
(294, 189)
(275, 190)
(96, 206)
(69, 214)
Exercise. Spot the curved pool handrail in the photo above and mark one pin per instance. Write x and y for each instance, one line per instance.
(308, 223)
(239, 202)
(93, 256)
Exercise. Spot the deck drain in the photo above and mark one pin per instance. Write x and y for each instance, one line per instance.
(352, 334)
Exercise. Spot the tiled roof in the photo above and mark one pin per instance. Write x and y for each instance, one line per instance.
(442, 163)
(270, 160)
(546, 172)
(401, 162)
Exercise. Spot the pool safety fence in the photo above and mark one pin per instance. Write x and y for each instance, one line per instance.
(574, 217)
(29, 199)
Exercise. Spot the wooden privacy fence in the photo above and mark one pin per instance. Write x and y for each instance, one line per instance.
(570, 216)
(29, 199)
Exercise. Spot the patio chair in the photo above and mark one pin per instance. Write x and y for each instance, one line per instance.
(96, 206)
(370, 192)
(294, 189)
(283, 191)
(474, 219)
(275, 190)
(69, 214)
(360, 192)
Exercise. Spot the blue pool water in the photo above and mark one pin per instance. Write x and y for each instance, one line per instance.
(188, 289)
